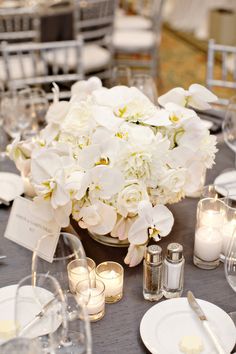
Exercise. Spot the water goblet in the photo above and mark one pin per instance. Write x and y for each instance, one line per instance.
(40, 311)
(146, 84)
(230, 266)
(228, 177)
(120, 75)
(69, 248)
(21, 345)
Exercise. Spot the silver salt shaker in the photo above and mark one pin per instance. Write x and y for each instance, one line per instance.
(152, 273)
(173, 271)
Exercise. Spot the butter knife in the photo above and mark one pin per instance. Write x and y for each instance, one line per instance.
(202, 317)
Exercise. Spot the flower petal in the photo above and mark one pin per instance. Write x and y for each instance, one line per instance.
(135, 255)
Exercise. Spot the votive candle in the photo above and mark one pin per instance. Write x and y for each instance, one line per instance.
(111, 274)
(93, 297)
(80, 269)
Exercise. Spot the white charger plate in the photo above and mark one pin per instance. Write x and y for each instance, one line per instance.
(163, 326)
(11, 186)
(227, 180)
(7, 311)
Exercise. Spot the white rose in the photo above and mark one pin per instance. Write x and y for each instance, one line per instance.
(173, 180)
(57, 112)
(129, 198)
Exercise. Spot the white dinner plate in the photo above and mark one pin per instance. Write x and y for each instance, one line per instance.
(11, 186)
(227, 180)
(163, 326)
(7, 311)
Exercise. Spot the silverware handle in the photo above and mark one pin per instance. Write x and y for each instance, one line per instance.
(214, 338)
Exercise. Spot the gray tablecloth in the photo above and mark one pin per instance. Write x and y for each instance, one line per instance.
(118, 331)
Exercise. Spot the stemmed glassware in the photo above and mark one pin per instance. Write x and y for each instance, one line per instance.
(120, 75)
(40, 311)
(16, 111)
(68, 248)
(228, 177)
(146, 84)
(230, 266)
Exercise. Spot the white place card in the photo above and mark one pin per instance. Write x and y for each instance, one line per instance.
(26, 229)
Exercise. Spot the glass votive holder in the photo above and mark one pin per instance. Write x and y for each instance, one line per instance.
(214, 191)
(211, 214)
(93, 297)
(81, 269)
(112, 275)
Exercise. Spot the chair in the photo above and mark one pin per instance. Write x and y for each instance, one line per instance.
(32, 64)
(139, 48)
(94, 21)
(225, 55)
(143, 18)
(19, 24)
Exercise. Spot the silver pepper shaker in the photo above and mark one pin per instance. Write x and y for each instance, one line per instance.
(152, 273)
(173, 271)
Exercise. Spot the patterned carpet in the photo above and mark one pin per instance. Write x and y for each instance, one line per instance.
(184, 63)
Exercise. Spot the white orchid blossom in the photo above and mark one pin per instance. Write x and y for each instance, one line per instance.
(98, 218)
(112, 159)
(104, 182)
(152, 222)
(135, 254)
(83, 89)
(197, 96)
(131, 105)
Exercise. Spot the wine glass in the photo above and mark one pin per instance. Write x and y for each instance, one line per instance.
(9, 109)
(120, 75)
(230, 266)
(68, 248)
(228, 177)
(146, 84)
(3, 135)
(21, 345)
(229, 126)
(40, 106)
(40, 311)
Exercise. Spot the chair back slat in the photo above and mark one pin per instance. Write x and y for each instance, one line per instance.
(95, 18)
(37, 64)
(19, 24)
(221, 54)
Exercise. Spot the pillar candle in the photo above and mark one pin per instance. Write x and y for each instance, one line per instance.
(208, 243)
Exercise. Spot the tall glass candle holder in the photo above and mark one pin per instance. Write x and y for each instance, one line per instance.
(78, 270)
(211, 215)
(94, 298)
(214, 191)
(112, 275)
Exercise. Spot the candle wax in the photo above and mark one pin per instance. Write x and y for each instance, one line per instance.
(113, 282)
(208, 243)
(211, 218)
(78, 274)
(96, 302)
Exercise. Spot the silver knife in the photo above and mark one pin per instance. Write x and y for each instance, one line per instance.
(37, 317)
(201, 315)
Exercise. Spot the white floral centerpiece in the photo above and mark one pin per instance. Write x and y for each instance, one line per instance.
(112, 160)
